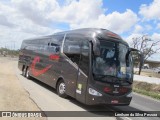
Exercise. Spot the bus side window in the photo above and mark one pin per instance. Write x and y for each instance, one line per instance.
(55, 48)
(56, 43)
(43, 45)
(72, 49)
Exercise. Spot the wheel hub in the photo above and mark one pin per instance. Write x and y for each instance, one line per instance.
(62, 88)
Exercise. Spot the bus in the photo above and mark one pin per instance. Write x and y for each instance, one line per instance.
(92, 65)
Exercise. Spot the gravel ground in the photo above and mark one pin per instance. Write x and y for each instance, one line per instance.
(13, 97)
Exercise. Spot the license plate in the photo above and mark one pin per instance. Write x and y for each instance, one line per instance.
(114, 101)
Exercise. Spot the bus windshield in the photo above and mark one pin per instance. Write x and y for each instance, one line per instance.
(112, 62)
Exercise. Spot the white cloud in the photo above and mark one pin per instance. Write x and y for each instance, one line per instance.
(22, 26)
(141, 29)
(117, 22)
(7, 37)
(86, 13)
(5, 13)
(78, 11)
(34, 18)
(130, 38)
(37, 10)
(4, 21)
(151, 11)
(138, 29)
(155, 37)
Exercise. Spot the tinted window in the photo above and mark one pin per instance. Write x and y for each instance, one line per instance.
(57, 39)
(72, 47)
(84, 61)
(43, 44)
(44, 41)
(56, 43)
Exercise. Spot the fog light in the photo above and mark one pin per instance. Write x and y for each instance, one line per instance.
(130, 94)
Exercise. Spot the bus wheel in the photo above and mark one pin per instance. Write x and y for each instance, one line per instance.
(61, 89)
(27, 74)
(24, 72)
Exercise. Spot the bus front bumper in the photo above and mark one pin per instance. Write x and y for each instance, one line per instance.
(108, 100)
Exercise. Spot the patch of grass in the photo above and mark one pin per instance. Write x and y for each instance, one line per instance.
(152, 90)
(144, 92)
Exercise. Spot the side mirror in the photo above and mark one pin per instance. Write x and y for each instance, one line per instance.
(141, 57)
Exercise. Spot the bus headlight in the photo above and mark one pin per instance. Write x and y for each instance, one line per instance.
(94, 92)
(130, 94)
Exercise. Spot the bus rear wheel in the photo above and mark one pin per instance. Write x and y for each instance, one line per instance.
(27, 74)
(61, 89)
(24, 72)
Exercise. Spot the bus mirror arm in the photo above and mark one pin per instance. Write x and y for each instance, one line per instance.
(141, 62)
(141, 58)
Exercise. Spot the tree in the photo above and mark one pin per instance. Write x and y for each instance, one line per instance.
(146, 45)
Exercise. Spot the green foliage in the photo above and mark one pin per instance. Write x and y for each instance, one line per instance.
(148, 93)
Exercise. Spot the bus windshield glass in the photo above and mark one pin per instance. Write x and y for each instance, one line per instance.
(112, 62)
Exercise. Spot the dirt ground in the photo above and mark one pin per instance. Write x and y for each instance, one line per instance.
(13, 96)
(150, 74)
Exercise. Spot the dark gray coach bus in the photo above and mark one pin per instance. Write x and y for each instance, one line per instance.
(92, 65)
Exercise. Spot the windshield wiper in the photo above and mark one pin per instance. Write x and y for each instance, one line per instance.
(100, 77)
(103, 76)
(128, 81)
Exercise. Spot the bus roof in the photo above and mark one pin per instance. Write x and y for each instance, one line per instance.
(89, 32)
(97, 32)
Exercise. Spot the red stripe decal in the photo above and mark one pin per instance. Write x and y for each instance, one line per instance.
(54, 57)
(38, 72)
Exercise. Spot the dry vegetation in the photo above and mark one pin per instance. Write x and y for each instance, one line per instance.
(148, 89)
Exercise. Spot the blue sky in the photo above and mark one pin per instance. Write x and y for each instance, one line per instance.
(21, 19)
(121, 6)
(115, 5)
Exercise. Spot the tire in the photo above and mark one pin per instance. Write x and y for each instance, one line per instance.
(61, 89)
(27, 74)
(24, 72)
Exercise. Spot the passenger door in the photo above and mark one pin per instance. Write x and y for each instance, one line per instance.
(83, 72)
(71, 59)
